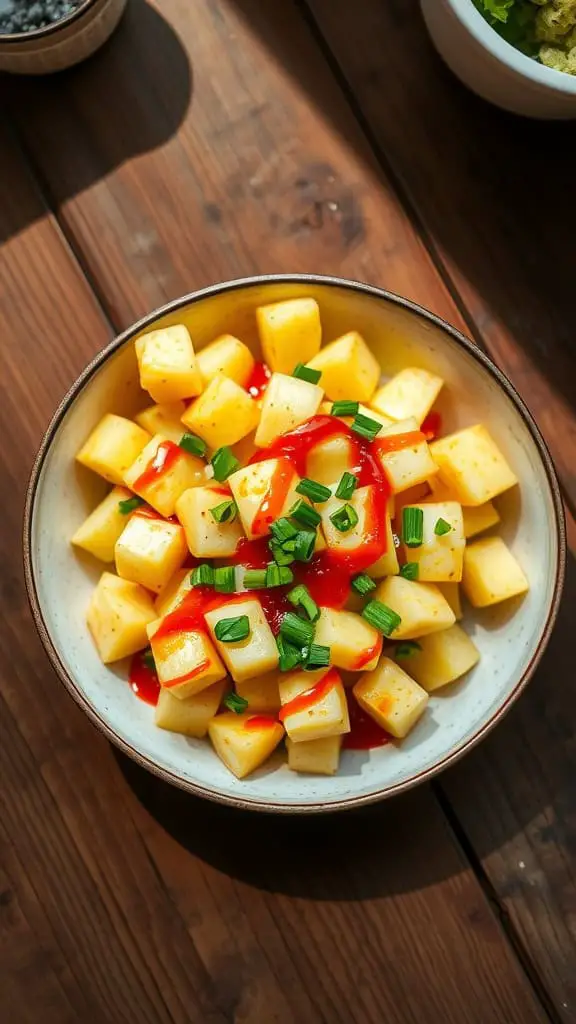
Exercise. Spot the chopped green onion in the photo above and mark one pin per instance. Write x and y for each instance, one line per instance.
(305, 514)
(409, 571)
(347, 486)
(225, 579)
(296, 630)
(412, 527)
(306, 373)
(193, 444)
(363, 584)
(314, 491)
(235, 703)
(344, 518)
(345, 408)
(289, 655)
(317, 657)
(232, 631)
(202, 576)
(226, 512)
(305, 544)
(254, 579)
(279, 554)
(223, 462)
(441, 527)
(301, 597)
(148, 659)
(406, 649)
(381, 617)
(365, 426)
(282, 529)
(278, 576)
(129, 504)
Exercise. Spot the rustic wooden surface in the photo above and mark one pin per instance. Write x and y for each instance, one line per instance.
(211, 140)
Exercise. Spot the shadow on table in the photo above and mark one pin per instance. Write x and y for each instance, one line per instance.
(142, 74)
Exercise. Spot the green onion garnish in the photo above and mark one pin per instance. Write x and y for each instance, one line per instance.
(254, 579)
(223, 462)
(279, 554)
(441, 527)
(409, 571)
(412, 527)
(305, 514)
(306, 373)
(193, 444)
(344, 518)
(278, 576)
(365, 426)
(226, 512)
(301, 597)
(345, 408)
(406, 649)
(235, 703)
(317, 657)
(129, 504)
(305, 544)
(148, 659)
(232, 631)
(225, 579)
(314, 491)
(296, 630)
(363, 584)
(381, 617)
(347, 486)
(202, 576)
(289, 655)
(282, 529)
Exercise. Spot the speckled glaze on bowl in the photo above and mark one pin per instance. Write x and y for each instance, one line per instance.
(511, 639)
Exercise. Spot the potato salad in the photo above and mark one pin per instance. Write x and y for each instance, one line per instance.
(286, 540)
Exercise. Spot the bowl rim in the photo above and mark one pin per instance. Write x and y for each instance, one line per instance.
(473, 21)
(247, 802)
(48, 30)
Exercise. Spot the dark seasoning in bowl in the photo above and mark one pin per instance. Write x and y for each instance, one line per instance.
(18, 16)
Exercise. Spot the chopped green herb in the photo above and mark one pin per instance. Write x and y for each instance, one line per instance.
(406, 649)
(306, 373)
(232, 631)
(381, 617)
(129, 504)
(305, 544)
(280, 555)
(314, 491)
(301, 597)
(289, 655)
(347, 486)
(235, 703)
(345, 518)
(193, 444)
(278, 576)
(365, 426)
(148, 659)
(226, 512)
(409, 571)
(296, 630)
(441, 527)
(223, 462)
(305, 514)
(202, 576)
(317, 657)
(282, 529)
(412, 526)
(254, 579)
(363, 584)
(225, 579)
(344, 408)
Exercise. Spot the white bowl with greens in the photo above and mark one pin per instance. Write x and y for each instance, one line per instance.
(518, 54)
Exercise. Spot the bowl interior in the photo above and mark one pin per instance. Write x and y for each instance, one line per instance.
(508, 637)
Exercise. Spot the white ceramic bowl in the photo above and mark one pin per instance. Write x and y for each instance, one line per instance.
(492, 68)
(511, 639)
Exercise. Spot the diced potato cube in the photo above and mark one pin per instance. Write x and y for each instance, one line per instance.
(363, 503)
(186, 662)
(451, 591)
(223, 414)
(315, 757)
(349, 370)
(254, 656)
(354, 644)
(149, 551)
(421, 607)
(246, 448)
(192, 715)
(290, 332)
(164, 489)
(328, 460)
(263, 492)
(287, 402)
(412, 392)
(479, 518)
(472, 465)
(387, 564)
(391, 698)
(261, 692)
(408, 466)
(229, 356)
(491, 573)
(165, 420)
(168, 367)
(118, 614)
(173, 593)
(415, 496)
(439, 558)
(443, 657)
(326, 715)
(244, 742)
(112, 447)
(100, 531)
(207, 538)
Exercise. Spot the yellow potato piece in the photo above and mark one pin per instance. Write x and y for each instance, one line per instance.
(167, 363)
(223, 414)
(287, 402)
(451, 591)
(290, 332)
(491, 573)
(191, 716)
(354, 644)
(421, 607)
(409, 466)
(229, 356)
(349, 370)
(163, 492)
(165, 420)
(252, 488)
(256, 655)
(112, 447)
(391, 698)
(241, 746)
(327, 716)
(173, 592)
(443, 657)
(412, 392)
(206, 537)
(118, 615)
(315, 757)
(186, 662)
(439, 558)
(100, 531)
(261, 692)
(149, 551)
(472, 466)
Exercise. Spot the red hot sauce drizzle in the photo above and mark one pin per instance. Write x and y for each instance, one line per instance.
(143, 680)
(166, 455)
(364, 732)
(308, 698)
(259, 380)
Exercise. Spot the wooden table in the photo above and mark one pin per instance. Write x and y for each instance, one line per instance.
(214, 139)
